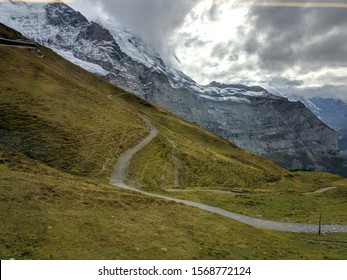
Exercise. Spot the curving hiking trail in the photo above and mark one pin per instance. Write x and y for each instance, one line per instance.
(120, 174)
(322, 190)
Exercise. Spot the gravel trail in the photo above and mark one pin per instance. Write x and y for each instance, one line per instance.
(322, 190)
(120, 172)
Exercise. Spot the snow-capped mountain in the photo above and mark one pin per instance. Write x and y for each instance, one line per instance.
(286, 132)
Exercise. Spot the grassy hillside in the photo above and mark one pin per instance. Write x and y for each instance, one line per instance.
(59, 114)
(50, 214)
(206, 160)
(215, 172)
(61, 130)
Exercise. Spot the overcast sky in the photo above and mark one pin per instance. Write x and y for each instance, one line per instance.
(286, 46)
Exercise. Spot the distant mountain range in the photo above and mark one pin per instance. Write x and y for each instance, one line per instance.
(251, 117)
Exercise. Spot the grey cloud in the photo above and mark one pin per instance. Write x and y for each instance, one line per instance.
(327, 50)
(332, 78)
(153, 20)
(213, 11)
(274, 40)
(306, 38)
(282, 82)
(221, 50)
(235, 71)
(233, 57)
(229, 50)
(194, 41)
(326, 91)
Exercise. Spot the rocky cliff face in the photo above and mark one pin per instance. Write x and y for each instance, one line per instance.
(286, 132)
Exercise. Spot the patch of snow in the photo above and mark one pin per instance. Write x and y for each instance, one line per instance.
(135, 47)
(225, 98)
(91, 67)
(254, 93)
(31, 20)
(28, 18)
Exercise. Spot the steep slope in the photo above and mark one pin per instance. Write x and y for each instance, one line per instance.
(252, 118)
(61, 130)
(48, 214)
(51, 120)
(333, 112)
(62, 115)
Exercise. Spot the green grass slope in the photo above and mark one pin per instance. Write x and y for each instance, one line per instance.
(215, 172)
(49, 214)
(206, 160)
(59, 114)
(61, 130)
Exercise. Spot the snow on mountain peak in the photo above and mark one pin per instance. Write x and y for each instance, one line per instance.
(69, 33)
(135, 47)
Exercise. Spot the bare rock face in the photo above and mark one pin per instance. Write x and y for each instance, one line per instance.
(252, 118)
(60, 14)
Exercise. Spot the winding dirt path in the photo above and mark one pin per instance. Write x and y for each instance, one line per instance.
(322, 190)
(120, 174)
(205, 190)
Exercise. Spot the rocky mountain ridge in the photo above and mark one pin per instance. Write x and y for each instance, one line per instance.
(254, 119)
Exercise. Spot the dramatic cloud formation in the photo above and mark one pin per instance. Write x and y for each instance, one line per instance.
(307, 38)
(290, 46)
(153, 20)
(297, 47)
(305, 43)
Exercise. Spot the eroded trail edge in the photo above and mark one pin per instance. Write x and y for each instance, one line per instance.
(120, 174)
